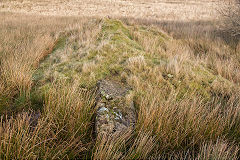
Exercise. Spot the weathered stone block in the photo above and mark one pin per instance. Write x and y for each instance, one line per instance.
(115, 112)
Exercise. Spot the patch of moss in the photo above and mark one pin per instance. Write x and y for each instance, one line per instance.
(159, 37)
(203, 74)
(37, 100)
(38, 74)
(201, 83)
(4, 103)
(21, 102)
(60, 43)
(115, 26)
(118, 41)
(154, 32)
(118, 34)
(193, 87)
(92, 54)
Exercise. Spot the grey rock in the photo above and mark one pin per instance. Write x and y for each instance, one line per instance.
(115, 114)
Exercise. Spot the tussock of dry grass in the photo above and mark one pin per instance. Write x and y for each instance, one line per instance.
(62, 131)
(127, 146)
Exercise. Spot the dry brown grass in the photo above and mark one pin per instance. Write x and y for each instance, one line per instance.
(62, 131)
(23, 46)
(185, 88)
(150, 9)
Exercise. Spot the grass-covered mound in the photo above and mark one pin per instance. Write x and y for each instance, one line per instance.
(122, 52)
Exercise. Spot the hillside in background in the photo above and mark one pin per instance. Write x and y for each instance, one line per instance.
(150, 9)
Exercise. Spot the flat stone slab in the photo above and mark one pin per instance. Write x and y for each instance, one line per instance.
(115, 109)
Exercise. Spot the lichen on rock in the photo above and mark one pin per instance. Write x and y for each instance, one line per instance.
(114, 112)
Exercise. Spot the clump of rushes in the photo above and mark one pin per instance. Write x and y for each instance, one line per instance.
(128, 145)
(63, 130)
